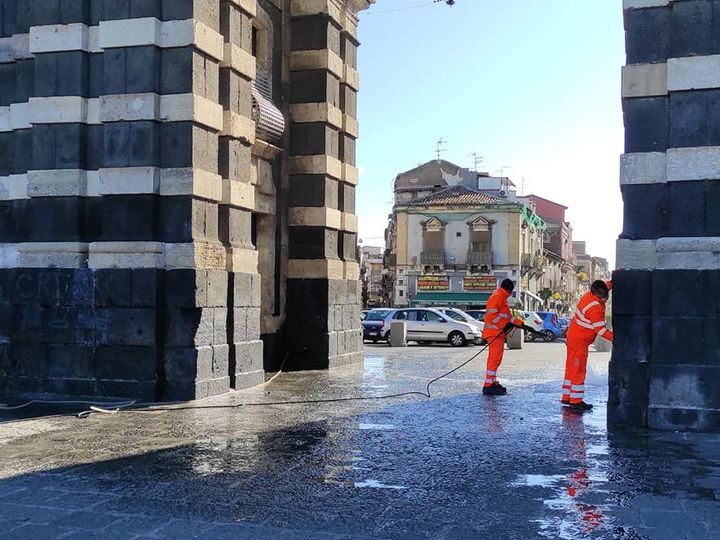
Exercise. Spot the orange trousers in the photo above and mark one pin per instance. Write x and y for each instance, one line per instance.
(495, 357)
(575, 370)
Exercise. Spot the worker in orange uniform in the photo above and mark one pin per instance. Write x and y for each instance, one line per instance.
(587, 323)
(498, 323)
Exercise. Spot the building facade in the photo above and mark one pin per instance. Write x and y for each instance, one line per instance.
(177, 194)
(451, 244)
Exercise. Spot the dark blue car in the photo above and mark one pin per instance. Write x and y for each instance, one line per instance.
(551, 326)
(373, 322)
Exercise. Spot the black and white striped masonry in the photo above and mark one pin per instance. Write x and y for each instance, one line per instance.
(143, 197)
(665, 369)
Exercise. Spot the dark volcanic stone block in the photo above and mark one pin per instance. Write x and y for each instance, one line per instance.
(646, 124)
(648, 34)
(646, 211)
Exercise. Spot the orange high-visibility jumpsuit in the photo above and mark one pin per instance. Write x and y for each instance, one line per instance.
(496, 317)
(587, 323)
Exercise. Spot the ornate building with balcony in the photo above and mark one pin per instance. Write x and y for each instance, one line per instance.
(453, 245)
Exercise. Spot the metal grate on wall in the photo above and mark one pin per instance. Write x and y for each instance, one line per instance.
(270, 123)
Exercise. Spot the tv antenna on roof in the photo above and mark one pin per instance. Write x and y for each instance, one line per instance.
(502, 170)
(440, 147)
(477, 160)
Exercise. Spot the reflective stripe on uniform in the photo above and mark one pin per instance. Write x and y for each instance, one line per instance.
(491, 311)
(584, 324)
(504, 316)
(598, 324)
(602, 332)
(492, 326)
(496, 319)
(577, 395)
(488, 372)
(591, 304)
(578, 387)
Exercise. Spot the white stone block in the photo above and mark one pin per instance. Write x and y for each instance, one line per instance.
(637, 4)
(192, 108)
(688, 260)
(689, 244)
(701, 163)
(52, 255)
(238, 127)
(5, 119)
(20, 116)
(129, 107)
(636, 255)
(57, 183)
(19, 186)
(644, 80)
(126, 255)
(693, 72)
(93, 43)
(93, 111)
(130, 180)
(315, 217)
(191, 32)
(8, 255)
(238, 194)
(643, 168)
(191, 181)
(129, 33)
(238, 59)
(58, 110)
(196, 255)
(93, 183)
(59, 37)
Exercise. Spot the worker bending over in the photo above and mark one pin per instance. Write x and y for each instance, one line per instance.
(587, 323)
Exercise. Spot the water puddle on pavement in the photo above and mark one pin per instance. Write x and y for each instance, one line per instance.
(374, 484)
(376, 427)
(374, 366)
(538, 480)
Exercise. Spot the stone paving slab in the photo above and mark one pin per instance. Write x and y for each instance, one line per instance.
(458, 465)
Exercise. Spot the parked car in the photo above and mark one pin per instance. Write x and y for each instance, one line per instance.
(426, 325)
(534, 321)
(363, 314)
(564, 324)
(551, 326)
(373, 323)
(478, 314)
(462, 316)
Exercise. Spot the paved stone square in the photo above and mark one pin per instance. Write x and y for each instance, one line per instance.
(454, 466)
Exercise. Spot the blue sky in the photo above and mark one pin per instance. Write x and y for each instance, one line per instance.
(529, 84)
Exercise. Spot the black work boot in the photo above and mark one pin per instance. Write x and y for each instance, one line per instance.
(501, 390)
(493, 391)
(582, 406)
(565, 401)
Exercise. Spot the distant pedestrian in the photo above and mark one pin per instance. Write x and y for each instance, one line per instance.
(587, 323)
(498, 323)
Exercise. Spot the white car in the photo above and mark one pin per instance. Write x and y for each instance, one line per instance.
(460, 316)
(534, 321)
(426, 325)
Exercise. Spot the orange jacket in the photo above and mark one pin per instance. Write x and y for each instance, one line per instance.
(589, 319)
(498, 314)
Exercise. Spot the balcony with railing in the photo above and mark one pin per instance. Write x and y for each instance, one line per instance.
(433, 258)
(479, 258)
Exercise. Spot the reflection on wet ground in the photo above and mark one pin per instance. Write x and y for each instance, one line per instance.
(454, 466)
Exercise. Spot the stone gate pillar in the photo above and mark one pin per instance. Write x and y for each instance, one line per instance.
(146, 164)
(665, 368)
(323, 288)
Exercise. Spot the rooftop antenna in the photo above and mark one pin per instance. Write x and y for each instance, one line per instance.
(502, 170)
(440, 147)
(522, 186)
(477, 160)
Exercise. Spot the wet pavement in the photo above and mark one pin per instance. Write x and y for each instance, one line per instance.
(457, 465)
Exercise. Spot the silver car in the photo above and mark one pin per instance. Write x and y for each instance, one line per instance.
(461, 316)
(426, 325)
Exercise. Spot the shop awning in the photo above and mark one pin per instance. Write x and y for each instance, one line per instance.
(450, 298)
